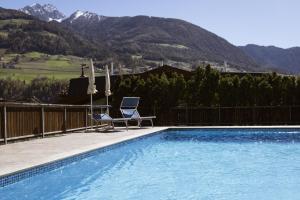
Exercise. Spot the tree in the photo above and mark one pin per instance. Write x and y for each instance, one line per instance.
(297, 91)
(264, 92)
(246, 91)
(288, 90)
(225, 89)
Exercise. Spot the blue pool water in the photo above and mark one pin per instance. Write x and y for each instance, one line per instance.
(178, 165)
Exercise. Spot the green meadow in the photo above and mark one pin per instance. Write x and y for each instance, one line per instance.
(34, 64)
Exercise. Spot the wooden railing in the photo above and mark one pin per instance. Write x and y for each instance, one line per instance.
(218, 116)
(18, 121)
(23, 120)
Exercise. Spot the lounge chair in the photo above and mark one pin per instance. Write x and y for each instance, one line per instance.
(106, 118)
(129, 110)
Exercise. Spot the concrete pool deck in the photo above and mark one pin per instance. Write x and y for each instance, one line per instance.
(22, 155)
(18, 156)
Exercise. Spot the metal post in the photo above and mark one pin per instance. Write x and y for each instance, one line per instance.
(5, 124)
(107, 108)
(43, 121)
(290, 109)
(65, 119)
(219, 115)
(253, 115)
(86, 118)
(186, 115)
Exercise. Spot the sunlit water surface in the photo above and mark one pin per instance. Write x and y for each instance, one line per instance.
(195, 164)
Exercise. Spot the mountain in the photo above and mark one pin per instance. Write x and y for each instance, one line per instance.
(147, 41)
(45, 12)
(22, 33)
(275, 58)
(83, 17)
(153, 39)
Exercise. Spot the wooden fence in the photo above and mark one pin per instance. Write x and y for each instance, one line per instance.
(267, 115)
(18, 121)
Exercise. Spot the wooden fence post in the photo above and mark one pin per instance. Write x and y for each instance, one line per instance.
(65, 119)
(43, 121)
(5, 123)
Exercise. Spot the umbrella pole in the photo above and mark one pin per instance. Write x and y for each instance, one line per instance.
(92, 111)
(107, 109)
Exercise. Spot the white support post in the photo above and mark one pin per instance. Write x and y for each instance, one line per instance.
(92, 111)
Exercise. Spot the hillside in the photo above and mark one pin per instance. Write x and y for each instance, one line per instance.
(139, 42)
(31, 65)
(22, 33)
(281, 60)
(153, 39)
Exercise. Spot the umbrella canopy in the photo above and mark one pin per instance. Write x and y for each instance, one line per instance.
(107, 82)
(92, 87)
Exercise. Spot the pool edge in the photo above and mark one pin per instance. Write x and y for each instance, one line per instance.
(19, 175)
(22, 174)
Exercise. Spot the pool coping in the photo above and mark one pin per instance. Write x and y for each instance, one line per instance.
(18, 175)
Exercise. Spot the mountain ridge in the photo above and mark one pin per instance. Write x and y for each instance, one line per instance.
(156, 38)
(145, 40)
(276, 58)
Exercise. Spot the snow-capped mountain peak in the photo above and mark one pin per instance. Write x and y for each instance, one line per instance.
(85, 15)
(77, 14)
(45, 12)
(50, 8)
(49, 12)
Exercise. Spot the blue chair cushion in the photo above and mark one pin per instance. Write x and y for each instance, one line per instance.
(130, 113)
(102, 117)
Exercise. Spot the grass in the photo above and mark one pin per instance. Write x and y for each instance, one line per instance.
(35, 64)
(58, 63)
(3, 34)
(27, 74)
(34, 55)
(2, 51)
(17, 22)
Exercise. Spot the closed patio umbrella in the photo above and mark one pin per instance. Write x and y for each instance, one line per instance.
(107, 86)
(92, 87)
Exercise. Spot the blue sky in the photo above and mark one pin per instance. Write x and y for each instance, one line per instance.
(263, 22)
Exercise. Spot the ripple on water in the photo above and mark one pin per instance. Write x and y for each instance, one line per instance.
(192, 165)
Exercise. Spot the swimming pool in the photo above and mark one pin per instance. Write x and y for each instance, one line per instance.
(184, 164)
